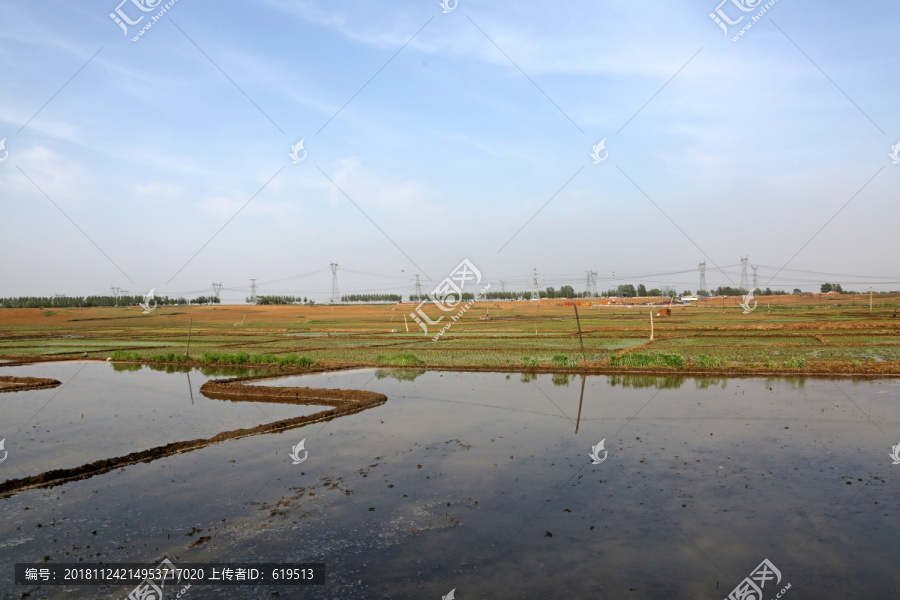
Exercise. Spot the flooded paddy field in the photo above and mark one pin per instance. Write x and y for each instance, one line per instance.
(489, 484)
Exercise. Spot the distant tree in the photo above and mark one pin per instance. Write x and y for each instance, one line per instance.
(654, 292)
(797, 291)
(825, 287)
(551, 292)
(567, 291)
(627, 291)
(686, 293)
(641, 290)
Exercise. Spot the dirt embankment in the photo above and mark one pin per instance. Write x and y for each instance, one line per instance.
(18, 384)
(343, 402)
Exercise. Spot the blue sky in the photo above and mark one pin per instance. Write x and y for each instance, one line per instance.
(456, 129)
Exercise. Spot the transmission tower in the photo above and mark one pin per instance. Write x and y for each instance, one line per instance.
(593, 288)
(755, 276)
(744, 274)
(253, 291)
(418, 289)
(535, 292)
(335, 294)
(502, 286)
(217, 287)
(702, 289)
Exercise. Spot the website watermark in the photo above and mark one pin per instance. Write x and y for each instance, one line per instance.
(722, 18)
(298, 153)
(6, 453)
(295, 452)
(146, 303)
(895, 153)
(152, 587)
(448, 296)
(595, 453)
(5, 152)
(448, 5)
(746, 303)
(751, 588)
(123, 20)
(599, 153)
(895, 454)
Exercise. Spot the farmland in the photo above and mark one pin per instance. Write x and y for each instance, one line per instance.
(834, 334)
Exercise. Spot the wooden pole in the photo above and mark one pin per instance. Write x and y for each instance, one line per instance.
(651, 324)
(580, 340)
(190, 324)
(405, 322)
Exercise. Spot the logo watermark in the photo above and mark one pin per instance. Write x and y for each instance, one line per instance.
(895, 154)
(6, 152)
(600, 153)
(295, 155)
(595, 453)
(6, 453)
(723, 20)
(449, 6)
(121, 19)
(751, 588)
(146, 303)
(150, 590)
(447, 296)
(746, 303)
(895, 454)
(295, 452)
(452, 594)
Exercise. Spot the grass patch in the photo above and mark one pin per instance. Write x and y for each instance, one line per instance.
(243, 358)
(400, 360)
(169, 357)
(529, 362)
(125, 355)
(709, 361)
(638, 359)
(561, 360)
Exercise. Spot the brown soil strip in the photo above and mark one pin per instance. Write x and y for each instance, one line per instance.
(343, 402)
(18, 384)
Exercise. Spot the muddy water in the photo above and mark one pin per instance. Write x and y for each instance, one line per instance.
(478, 482)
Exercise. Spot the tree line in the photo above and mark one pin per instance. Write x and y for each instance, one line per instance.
(82, 302)
(271, 300)
(372, 298)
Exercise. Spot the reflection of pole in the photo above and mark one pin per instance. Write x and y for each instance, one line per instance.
(190, 389)
(580, 400)
(189, 337)
(580, 340)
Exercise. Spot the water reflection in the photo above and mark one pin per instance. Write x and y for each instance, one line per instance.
(665, 382)
(560, 379)
(399, 374)
(125, 367)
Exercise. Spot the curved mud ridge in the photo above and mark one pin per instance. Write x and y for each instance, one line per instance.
(343, 402)
(18, 384)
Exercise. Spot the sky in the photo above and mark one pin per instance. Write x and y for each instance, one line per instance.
(433, 134)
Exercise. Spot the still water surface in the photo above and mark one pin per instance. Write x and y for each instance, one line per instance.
(470, 481)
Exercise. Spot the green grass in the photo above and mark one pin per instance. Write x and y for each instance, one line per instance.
(243, 358)
(125, 355)
(703, 360)
(638, 359)
(169, 357)
(400, 360)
